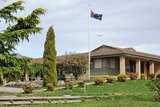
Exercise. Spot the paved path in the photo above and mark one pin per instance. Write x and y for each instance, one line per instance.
(11, 89)
(19, 90)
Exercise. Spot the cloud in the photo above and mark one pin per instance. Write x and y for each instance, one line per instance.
(125, 23)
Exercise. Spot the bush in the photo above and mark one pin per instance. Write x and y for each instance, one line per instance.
(154, 85)
(81, 84)
(158, 76)
(143, 77)
(68, 85)
(151, 76)
(1, 78)
(110, 79)
(28, 88)
(122, 77)
(99, 81)
(82, 77)
(133, 76)
(50, 87)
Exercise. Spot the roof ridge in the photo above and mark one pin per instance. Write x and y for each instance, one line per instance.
(121, 49)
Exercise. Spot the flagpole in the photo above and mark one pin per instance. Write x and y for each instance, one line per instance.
(89, 38)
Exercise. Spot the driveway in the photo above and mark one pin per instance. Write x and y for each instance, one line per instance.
(11, 89)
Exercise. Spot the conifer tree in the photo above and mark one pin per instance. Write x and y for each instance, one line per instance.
(19, 29)
(49, 56)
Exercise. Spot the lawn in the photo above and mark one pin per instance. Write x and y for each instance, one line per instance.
(117, 102)
(129, 87)
(134, 93)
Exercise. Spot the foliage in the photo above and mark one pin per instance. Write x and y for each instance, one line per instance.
(19, 29)
(82, 77)
(122, 77)
(1, 78)
(73, 63)
(11, 66)
(133, 76)
(154, 85)
(81, 84)
(28, 88)
(151, 76)
(110, 79)
(49, 56)
(68, 85)
(158, 76)
(36, 69)
(50, 87)
(99, 81)
(143, 76)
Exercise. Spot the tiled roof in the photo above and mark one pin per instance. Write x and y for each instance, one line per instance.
(37, 60)
(107, 52)
(40, 60)
(142, 54)
(129, 51)
(111, 51)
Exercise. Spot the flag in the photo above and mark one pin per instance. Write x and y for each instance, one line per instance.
(96, 16)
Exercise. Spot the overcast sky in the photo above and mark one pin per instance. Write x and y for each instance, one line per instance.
(125, 23)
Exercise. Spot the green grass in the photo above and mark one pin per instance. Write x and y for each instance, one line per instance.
(135, 86)
(138, 95)
(129, 87)
(117, 102)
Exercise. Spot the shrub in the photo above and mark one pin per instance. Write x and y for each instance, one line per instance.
(143, 77)
(50, 87)
(110, 79)
(151, 76)
(154, 85)
(158, 76)
(68, 85)
(133, 76)
(99, 81)
(81, 84)
(28, 88)
(82, 77)
(122, 77)
(1, 78)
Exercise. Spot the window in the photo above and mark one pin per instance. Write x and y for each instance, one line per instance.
(98, 63)
(112, 63)
(104, 63)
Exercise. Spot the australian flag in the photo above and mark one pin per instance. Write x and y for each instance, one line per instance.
(96, 16)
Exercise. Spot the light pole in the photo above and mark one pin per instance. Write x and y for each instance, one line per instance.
(89, 37)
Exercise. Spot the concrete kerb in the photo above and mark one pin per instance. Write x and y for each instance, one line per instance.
(13, 101)
(10, 101)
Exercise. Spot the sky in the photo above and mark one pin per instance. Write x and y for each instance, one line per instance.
(125, 23)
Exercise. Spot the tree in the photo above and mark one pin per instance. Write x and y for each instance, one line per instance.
(49, 56)
(19, 28)
(36, 69)
(73, 63)
(154, 85)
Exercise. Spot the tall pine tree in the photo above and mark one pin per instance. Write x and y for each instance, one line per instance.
(49, 56)
(19, 29)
